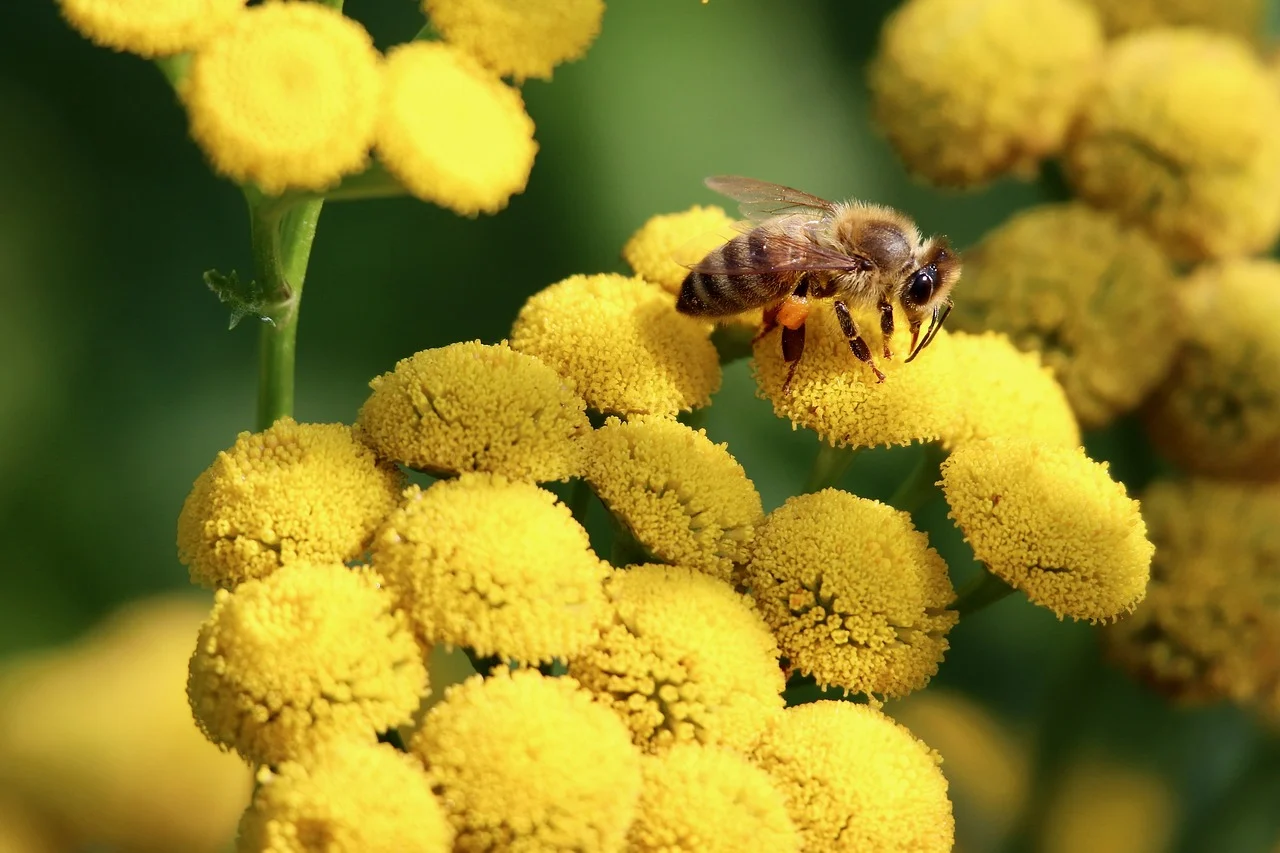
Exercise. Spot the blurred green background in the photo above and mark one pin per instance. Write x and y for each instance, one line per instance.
(119, 380)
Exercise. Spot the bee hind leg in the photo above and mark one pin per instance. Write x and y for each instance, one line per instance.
(860, 349)
(792, 349)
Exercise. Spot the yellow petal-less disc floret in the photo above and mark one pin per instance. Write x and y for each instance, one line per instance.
(526, 762)
(686, 659)
(1241, 18)
(1051, 522)
(967, 91)
(1096, 298)
(294, 492)
(1007, 392)
(835, 395)
(496, 566)
(517, 38)
(451, 132)
(1183, 137)
(855, 780)
(1210, 623)
(474, 407)
(853, 592)
(286, 96)
(312, 652)
(656, 251)
(1219, 411)
(701, 799)
(622, 343)
(150, 27)
(345, 797)
(684, 498)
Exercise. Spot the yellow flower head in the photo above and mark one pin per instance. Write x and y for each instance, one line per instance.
(1094, 297)
(705, 799)
(853, 779)
(526, 762)
(1107, 807)
(1209, 627)
(311, 653)
(285, 96)
(853, 592)
(686, 500)
(1007, 392)
(452, 132)
(517, 38)
(686, 659)
(967, 91)
(495, 566)
(1219, 411)
(149, 27)
(654, 252)
(97, 736)
(622, 343)
(293, 493)
(835, 395)
(1051, 522)
(1242, 18)
(345, 797)
(473, 407)
(1183, 137)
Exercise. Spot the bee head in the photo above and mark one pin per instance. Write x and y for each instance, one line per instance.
(925, 292)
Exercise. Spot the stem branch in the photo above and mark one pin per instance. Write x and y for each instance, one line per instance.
(920, 486)
(983, 590)
(829, 465)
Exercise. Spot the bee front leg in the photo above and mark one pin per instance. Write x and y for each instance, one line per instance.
(886, 326)
(856, 343)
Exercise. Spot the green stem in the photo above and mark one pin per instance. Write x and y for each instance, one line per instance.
(174, 68)
(920, 486)
(983, 590)
(373, 182)
(829, 465)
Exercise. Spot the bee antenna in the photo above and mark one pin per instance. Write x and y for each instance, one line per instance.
(935, 325)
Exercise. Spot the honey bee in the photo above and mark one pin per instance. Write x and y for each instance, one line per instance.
(796, 247)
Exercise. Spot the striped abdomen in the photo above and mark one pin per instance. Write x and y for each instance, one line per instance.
(736, 277)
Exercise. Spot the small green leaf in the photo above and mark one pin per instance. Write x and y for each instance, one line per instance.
(243, 298)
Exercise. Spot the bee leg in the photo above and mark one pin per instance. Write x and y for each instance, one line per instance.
(770, 322)
(886, 326)
(856, 343)
(792, 349)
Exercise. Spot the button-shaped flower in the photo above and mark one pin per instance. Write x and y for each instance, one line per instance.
(1243, 18)
(150, 27)
(517, 38)
(656, 251)
(853, 592)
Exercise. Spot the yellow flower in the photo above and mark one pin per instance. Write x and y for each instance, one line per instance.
(835, 395)
(967, 91)
(853, 592)
(451, 132)
(311, 653)
(1219, 411)
(1105, 807)
(701, 799)
(525, 762)
(654, 252)
(472, 407)
(96, 735)
(517, 38)
(622, 343)
(285, 96)
(1097, 299)
(685, 659)
(1183, 136)
(150, 27)
(855, 780)
(293, 493)
(1050, 522)
(1242, 18)
(1209, 627)
(1007, 392)
(686, 500)
(345, 797)
(495, 566)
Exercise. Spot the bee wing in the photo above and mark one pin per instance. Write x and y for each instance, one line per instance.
(759, 200)
(782, 252)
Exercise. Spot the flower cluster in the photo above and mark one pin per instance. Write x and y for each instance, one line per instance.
(294, 95)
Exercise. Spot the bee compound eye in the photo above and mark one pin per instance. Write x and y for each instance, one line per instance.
(921, 285)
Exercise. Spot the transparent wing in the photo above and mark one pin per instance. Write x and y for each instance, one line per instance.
(780, 252)
(759, 200)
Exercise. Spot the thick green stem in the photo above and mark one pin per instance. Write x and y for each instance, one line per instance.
(829, 465)
(983, 590)
(920, 486)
